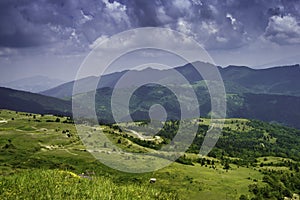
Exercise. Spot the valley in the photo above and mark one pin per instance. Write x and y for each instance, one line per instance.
(149, 100)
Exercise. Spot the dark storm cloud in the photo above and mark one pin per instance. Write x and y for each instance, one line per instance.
(142, 13)
(34, 23)
(18, 27)
(11, 32)
(78, 23)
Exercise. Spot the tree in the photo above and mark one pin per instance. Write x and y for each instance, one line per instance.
(57, 120)
(202, 161)
(243, 197)
(226, 166)
(253, 188)
(261, 164)
(296, 168)
(208, 162)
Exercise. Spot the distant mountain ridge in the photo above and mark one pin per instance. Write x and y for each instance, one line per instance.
(65, 90)
(33, 84)
(277, 80)
(271, 108)
(256, 94)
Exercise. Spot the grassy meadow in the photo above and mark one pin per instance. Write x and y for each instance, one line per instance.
(42, 157)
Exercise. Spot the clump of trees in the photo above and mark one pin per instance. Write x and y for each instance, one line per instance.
(279, 184)
(184, 160)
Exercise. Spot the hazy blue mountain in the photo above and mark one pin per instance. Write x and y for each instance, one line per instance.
(65, 90)
(33, 84)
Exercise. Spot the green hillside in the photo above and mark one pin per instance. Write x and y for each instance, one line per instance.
(44, 156)
(31, 102)
(278, 109)
(269, 95)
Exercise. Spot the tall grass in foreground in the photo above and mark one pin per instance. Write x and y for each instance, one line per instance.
(57, 184)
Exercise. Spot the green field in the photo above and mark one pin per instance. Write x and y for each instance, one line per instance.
(42, 157)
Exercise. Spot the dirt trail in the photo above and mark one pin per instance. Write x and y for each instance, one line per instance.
(137, 134)
(141, 137)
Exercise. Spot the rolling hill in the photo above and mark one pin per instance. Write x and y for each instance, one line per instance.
(31, 102)
(44, 157)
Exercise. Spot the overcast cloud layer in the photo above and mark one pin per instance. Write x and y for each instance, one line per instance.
(72, 27)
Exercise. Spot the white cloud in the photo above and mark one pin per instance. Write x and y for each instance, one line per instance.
(85, 18)
(283, 30)
(197, 2)
(232, 19)
(184, 27)
(221, 39)
(114, 6)
(162, 16)
(7, 51)
(210, 27)
(117, 11)
(182, 4)
(213, 10)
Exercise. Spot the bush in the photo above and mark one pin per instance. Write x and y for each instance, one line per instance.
(243, 197)
(184, 160)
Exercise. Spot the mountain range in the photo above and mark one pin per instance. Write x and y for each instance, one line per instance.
(237, 79)
(271, 95)
(33, 84)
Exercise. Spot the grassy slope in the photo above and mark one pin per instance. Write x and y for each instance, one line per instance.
(58, 184)
(30, 145)
(31, 102)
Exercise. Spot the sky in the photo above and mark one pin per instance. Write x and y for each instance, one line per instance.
(52, 37)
